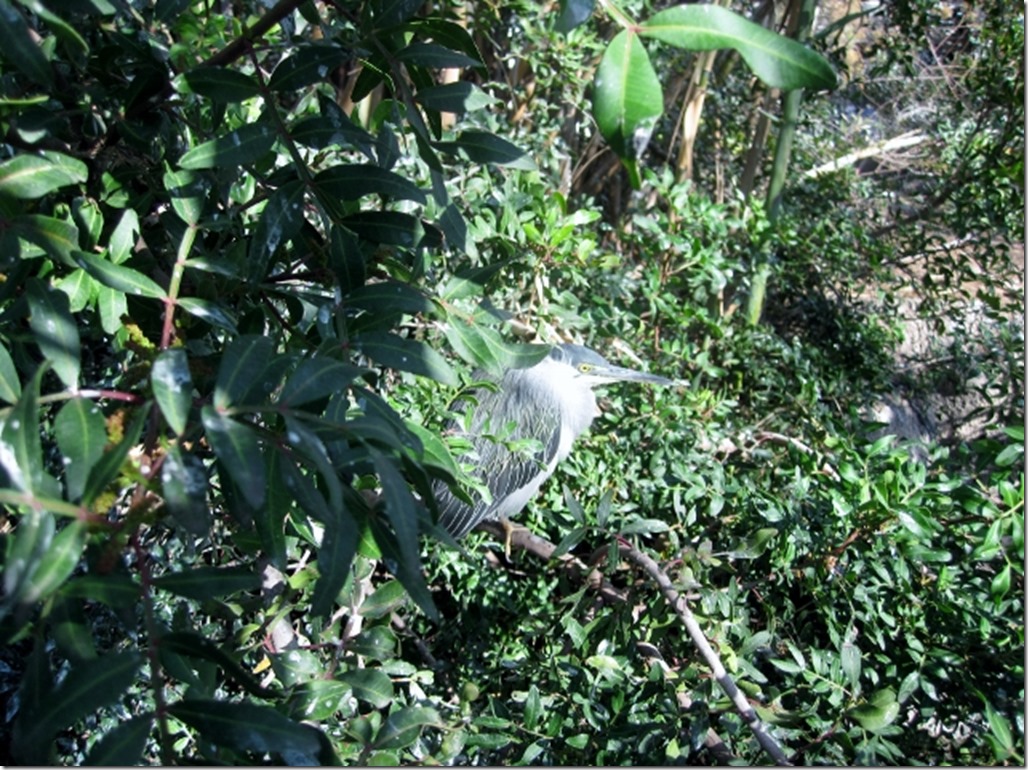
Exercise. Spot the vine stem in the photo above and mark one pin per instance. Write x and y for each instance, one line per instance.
(681, 608)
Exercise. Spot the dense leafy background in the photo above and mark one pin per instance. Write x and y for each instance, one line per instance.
(252, 253)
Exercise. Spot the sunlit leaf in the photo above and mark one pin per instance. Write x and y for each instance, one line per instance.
(54, 330)
(219, 83)
(33, 176)
(370, 685)
(236, 446)
(173, 387)
(241, 147)
(353, 181)
(242, 366)
(404, 726)
(407, 355)
(118, 277)
(307, 64)
(81, 436)
(316, 378)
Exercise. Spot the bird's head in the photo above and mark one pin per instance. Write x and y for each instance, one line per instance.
(587, 367)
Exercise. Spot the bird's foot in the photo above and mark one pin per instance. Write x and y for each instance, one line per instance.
(508, 532)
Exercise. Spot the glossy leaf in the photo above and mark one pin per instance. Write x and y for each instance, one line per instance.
(123, 240)
(335, 556)
(211, 312)
(459, 97)
(33, 176)
(404, 726)
(54, 330)
(247, 727)
(123, 746)
(400, 297)
(308, 64)
(347, 260)
(483, 147)
(184, 485)
(118, 277)
(880, 712)
(219, 83)
(188, 193)
(370, 685)
(10, 385)
(204, 583)
(242, 366)
(435, 56)
(114, 590)
(173, 387)
(81, 435)
(777, 60)
(110, 464)
(353, 181)
(389, 228)
(317, 378)
(407, 355)
(627, 96)
(56, 565)
(241, 147)
(573, 13)
(57, 237)
(20, 49)
(236, 446)
(22, 455)
(280, 221)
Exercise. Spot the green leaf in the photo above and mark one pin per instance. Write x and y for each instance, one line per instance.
(777, 60)
(389, 296)
(573, 13)
(236, 446)
(204, 583)
(69, 37)
(56, 237)
(435, 56)
(880, 712)
(484, 147)
(407, 355)
(280, 221)
(308, 64)
(249, 727)
(386, 598)
(533, 708)
(22, 455)
(404, 726)
(389, 228)
(87, 687)
(237, 148)
(123, 240)
(627, 97)
(118, 277)
(851, 664)
(81, 435)
(188, 193)
(32, 176)
(123, 746)
(113, 306)
(335, 555)
(184, 486)
(218, 83)
(109, 466)
(193, 645)
(243, 365)
(114, 590)
(316, 378)
(56, 565)
(173, 387)
(211, 312)
(350, 182)
(459, 97)
(1000, 585)
(55, 330)
(21, 49)
(402, 512)
(346, 260)
(369, 685)
(10, 385)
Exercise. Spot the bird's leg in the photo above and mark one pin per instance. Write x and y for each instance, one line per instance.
(508, 533)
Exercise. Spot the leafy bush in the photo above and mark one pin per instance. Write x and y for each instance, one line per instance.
(251, 256)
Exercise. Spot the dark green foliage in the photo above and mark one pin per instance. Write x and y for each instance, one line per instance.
(251, 257)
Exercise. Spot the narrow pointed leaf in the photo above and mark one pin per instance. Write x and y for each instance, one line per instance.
(20, 49)
(219, 83)
(55, 330)
(335, 555)
(109, 465)
(56, 237)
(56, 565)
(184, 484)
(118, 277)
(248, 727)
(435, 56)
(236, 446)
(484, 147)
(777, 60)
(309, 64)
(242, 366)
(407, 355)
(10, 385)
(280, 221)
(389, 295)
(317, 378)
(370, 685)
(237, 148)
(123, 746)
(81, 436)
(173, 387)
(347, 260)
(32, 176)
(211, 312)
(353, 181)
(195, 646)
(188, 192)
(402, 727)
(205, 583)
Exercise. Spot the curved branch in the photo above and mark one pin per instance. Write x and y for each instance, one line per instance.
(681, 607)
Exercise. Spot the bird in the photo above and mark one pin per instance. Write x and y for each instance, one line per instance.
(551, 403)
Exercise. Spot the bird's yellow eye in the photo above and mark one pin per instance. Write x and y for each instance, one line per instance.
(585, 368)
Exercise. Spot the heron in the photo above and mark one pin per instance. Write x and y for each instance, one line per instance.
(551, 403)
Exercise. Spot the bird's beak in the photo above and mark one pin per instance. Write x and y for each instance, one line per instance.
(621, 374)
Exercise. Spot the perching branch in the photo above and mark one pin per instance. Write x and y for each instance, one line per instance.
(681, 607)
